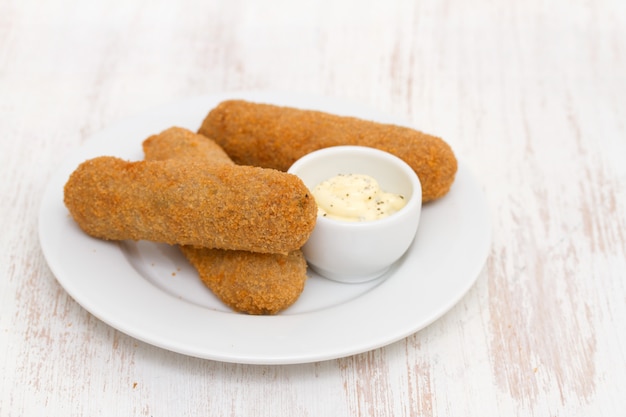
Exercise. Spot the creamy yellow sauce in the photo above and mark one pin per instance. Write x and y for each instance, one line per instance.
(355, 198)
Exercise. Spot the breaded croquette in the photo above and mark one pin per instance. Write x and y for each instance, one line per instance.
(191, 203)
(180, 143)
(247, 282)
(272, 136)
(252, 283)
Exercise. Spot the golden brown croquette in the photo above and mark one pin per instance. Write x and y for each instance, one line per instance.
(252, 283)
(191, 203)
(273, 136)
(180, 143)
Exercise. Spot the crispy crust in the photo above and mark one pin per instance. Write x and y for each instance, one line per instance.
(191, 203)
(180, 143)
(252, 283)
(275, 137)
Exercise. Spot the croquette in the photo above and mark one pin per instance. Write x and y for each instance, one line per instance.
(251, 283)
(180, 143)
(271, 136)
(191, 203)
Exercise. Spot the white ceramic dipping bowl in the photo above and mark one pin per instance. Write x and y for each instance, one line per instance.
(354, 252)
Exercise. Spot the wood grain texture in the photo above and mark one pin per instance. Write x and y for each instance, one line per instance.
(529, 94)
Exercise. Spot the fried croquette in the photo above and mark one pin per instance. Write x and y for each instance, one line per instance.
(247, 282)
(273, 136)
(180, 143)
(191, 203)
(252, 283)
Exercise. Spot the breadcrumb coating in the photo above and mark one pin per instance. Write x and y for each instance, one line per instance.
(189, 202)
(273, 136)
(180, 143)
(251, 283)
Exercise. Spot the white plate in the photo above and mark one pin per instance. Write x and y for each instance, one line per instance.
(150, 292)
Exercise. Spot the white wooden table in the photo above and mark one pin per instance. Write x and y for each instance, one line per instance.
(530, 94)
